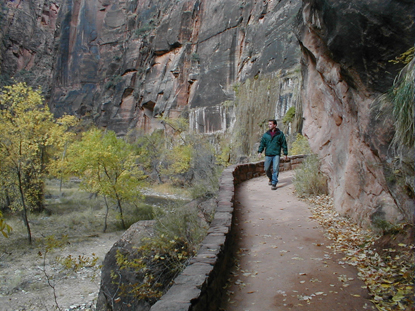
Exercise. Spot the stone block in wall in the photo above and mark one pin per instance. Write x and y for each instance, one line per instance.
(197, 269)
(251, 167)
(222, 220)
(226, 195)
(204, 257)
(224, 207)
(219, 230)
(227, 184)
(214, 240)
(194, 275)
(177, 298)
(295, 166)
(297, 160)
(241, 178)
(285, 166)
(167, 305)
(260, 166)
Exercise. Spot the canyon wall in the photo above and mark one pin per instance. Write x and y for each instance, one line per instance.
(124, 64)
(347, 47)
(226, 66)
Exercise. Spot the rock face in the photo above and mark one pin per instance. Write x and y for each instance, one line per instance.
(346, 47)
(27, 41)
(226, 66)
(122, 64)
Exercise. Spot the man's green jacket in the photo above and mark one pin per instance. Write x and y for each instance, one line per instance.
(274, 144)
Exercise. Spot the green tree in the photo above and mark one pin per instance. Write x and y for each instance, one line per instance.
(107, 165)
(30, 136)
(151, 149)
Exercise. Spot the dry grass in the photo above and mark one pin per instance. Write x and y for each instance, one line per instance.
(169, 189)
(308, 179)
(72, 212)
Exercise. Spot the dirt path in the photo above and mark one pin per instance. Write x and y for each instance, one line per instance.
(282, 261)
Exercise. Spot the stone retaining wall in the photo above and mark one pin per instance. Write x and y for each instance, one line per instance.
(200, 286)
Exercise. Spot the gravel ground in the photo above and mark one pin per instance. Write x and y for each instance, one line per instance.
(24, 285)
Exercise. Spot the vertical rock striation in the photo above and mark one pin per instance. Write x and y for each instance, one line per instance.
(346, 47)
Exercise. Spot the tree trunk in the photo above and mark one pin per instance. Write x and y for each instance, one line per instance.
(121, 215)
(24, 212)
(106, 213)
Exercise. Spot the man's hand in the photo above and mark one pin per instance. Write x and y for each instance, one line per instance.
(286, 157)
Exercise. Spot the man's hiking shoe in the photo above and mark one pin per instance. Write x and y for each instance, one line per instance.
(270, 183)
(274, 187)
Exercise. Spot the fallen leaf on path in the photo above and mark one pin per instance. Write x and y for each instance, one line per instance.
(306, 298)
(387, 275)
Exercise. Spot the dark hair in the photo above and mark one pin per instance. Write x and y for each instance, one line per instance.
(273, 121)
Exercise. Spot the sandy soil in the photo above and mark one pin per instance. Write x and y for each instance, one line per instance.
(23, 285)
(282, 261)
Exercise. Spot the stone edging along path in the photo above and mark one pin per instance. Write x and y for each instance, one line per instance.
(199, 286)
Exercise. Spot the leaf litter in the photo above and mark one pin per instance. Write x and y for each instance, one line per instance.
(388, 275)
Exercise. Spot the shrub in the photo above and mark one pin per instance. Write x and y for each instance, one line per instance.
(381, 226)
(397, 106)
(300, 146)
(161, 258)
(308, 180)
(289, 116)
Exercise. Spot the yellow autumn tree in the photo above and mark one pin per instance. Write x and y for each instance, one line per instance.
(30, 136)
(106, 165)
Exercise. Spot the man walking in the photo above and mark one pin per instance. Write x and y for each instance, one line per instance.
(272, 141)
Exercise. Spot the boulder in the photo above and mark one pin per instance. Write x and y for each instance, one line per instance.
(114, 279)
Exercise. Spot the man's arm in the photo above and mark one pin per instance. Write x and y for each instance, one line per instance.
(284, 146)
(261, 145)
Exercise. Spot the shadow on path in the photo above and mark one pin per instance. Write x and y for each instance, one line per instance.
(281, 259)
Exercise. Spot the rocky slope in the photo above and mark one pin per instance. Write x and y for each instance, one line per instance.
(226, 66)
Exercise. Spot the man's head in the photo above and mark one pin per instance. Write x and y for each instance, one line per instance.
(272, 124)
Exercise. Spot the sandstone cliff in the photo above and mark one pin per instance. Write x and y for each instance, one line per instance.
(226, 66)
(123, 63)
(347, 46)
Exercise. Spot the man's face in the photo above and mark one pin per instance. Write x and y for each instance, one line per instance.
(271, 125)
